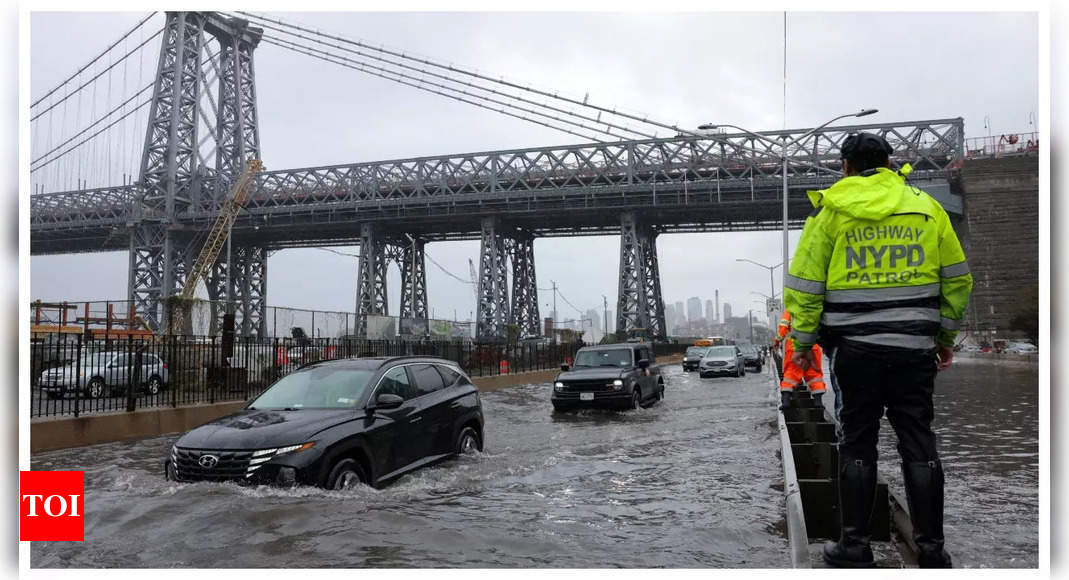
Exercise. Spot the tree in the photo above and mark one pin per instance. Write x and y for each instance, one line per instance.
(1026, 317)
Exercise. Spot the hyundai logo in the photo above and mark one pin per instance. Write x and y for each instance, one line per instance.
(208, 461)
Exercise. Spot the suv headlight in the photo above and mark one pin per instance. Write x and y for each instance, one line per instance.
(558, 386)
(617, 385)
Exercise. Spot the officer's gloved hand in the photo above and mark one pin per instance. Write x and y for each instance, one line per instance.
(818, 402)
(784, 400)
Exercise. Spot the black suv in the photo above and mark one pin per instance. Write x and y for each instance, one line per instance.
(613, 376)
(692, 357)
(751, 357)
(337, 424)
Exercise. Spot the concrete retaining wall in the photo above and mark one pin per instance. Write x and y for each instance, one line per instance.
(65, 432)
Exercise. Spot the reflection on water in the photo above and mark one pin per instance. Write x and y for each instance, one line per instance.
(691, 482)
(987, 421)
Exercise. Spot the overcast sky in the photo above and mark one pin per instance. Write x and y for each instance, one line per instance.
(681, 68)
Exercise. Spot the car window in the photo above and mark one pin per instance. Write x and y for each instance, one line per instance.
(451, 376)
(428, 379)
(317, 387)
(395, 382)
(119, 360)
(609, 357)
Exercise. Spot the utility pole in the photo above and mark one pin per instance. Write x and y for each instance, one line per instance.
(605, 316)
(554, 303)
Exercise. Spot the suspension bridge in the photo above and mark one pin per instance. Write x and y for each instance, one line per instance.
(148, 167)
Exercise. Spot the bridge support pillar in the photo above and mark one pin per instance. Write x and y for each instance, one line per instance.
(492, 309)
(524, 288)
(639, 307)
(412, 262)
(371, 277)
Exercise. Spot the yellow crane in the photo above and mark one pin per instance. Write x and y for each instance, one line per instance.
(209, 253)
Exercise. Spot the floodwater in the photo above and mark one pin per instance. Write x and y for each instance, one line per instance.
(987, 424)
(693, 481)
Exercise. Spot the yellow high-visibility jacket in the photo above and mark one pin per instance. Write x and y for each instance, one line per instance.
(878, 263)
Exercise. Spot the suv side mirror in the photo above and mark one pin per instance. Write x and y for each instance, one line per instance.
(386, 401)
(643, 363)
(564, 367)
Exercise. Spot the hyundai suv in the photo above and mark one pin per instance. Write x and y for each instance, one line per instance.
(620, 376)
(338, 424)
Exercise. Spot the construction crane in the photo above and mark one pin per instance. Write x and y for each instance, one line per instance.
(217, 237)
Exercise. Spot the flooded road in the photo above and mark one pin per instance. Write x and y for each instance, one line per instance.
(987, 422)
(694, 481)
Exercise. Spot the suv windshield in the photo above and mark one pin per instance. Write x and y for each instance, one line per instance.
(721, 351)
(697, 350)
(323, 387)
(616, 357)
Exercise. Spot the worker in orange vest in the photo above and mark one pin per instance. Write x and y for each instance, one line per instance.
(794, 374)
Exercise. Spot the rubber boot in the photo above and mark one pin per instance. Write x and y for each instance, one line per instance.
(857, 493)
(924, 482)
(784, 400)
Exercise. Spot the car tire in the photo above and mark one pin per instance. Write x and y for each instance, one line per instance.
(346, 474)
(155, 385)
(95, 388)
(660, 393)
(468, 442)
(636, 398)
(54, 395)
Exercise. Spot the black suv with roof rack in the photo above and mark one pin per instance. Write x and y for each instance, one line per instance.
(609, 376)
(337, 424)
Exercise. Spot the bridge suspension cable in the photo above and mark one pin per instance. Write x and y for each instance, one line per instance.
(631, 133)
(262, 20)
(419, 84)
(289, 46)
(91, 62)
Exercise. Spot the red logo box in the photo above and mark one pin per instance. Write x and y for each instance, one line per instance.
(51, 506)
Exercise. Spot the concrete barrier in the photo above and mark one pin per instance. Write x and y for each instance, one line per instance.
(64, 432)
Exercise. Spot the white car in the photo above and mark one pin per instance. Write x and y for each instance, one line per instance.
(1021, 348)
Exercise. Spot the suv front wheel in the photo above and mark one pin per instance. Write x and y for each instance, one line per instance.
(347, 474)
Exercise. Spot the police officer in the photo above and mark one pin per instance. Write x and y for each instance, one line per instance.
(880, 278)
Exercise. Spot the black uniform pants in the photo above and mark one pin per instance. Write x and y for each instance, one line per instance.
(901, 383)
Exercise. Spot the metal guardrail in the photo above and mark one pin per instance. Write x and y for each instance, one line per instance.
(1007, 145)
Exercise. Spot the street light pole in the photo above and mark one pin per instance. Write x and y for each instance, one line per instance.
(783, 149)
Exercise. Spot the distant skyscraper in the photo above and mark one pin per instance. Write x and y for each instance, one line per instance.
(717, 310)
(727, 312)
(710, 314)
(694, 308)
(594, 325)
(670, 318)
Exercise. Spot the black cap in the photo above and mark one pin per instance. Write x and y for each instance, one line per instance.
(864, 144)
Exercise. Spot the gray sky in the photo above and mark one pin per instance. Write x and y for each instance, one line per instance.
(681, 68)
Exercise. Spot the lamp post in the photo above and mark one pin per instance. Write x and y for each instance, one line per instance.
(783, 149)
(771, 280)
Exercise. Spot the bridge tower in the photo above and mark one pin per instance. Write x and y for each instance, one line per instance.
(639, 306)
(177, 178)
(495, 309)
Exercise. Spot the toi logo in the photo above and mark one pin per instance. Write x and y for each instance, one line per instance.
(51, 506)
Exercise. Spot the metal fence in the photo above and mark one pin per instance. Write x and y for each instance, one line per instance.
(1002, 145)
(75, 375)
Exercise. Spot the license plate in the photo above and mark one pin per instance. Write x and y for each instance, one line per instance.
(586, 396)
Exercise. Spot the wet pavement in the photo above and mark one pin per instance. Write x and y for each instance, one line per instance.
(693, 481)
(987, 423)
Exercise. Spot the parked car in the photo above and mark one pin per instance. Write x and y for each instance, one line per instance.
(1021, 348)
(104, 373)
(338, 424)
(722, 360)
(692, 357)
(620, 376)
(750, 357)
(971, 348)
